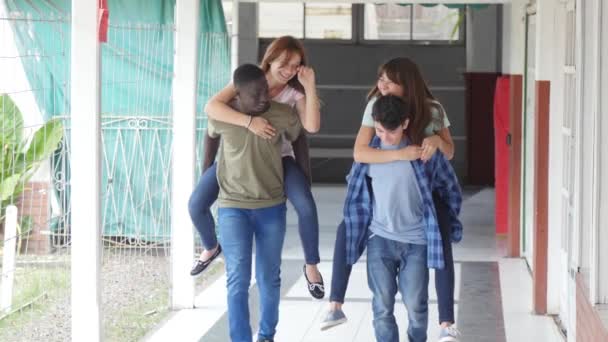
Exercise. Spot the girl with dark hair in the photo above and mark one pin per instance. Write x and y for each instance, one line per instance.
(428, 131)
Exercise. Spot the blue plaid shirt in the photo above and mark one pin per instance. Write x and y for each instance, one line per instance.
(434, 175)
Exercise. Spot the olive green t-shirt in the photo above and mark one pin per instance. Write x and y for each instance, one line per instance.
(249, 168)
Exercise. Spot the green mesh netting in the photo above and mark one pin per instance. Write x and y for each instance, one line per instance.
(137, 71)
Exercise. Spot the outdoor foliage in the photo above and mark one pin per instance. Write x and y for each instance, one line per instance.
(21, 157)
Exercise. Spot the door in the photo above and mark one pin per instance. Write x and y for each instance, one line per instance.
(527, 214)
(570, 165)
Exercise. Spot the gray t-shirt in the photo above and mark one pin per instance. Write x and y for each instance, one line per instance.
(249, 168)
(397, 210)
(438, 122)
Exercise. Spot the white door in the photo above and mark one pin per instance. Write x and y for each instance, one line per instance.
(570, 164)
(529, 135)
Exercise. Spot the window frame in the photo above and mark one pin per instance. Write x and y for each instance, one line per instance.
(358, 34)
(349, 41)
(460, 41)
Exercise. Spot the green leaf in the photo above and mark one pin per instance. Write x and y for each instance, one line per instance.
(8, 185)
(45, 141)
(11, 126)
(25, 226)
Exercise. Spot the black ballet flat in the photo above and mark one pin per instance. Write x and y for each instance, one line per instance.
(317, 290)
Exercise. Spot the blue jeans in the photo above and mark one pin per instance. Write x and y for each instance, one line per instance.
(297, 191)
(238, 229)
(444, 279)
(393, 265)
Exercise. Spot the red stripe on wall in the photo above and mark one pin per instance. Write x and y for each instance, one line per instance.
(541, 194)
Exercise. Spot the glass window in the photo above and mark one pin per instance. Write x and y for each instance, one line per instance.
(411, 22)
(388, 22)
(328, 21)
(436, 23)
(310, 20)
(280, 19)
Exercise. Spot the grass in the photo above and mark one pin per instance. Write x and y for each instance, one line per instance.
(50, 284)
(138, 318)
(135, 295)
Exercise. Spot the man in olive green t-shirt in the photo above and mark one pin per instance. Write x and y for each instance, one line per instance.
(252, 203)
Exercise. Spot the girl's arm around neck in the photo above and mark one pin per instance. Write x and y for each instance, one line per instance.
(447, 144)
(441, 141)
(217, 108)
(365, 154)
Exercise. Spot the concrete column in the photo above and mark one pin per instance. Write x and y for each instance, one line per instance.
(183, 163)
(603, 164)
(483, 39)
(550, 25)
(513, 37)
(248, 33)
(234, 39)
(86, 172)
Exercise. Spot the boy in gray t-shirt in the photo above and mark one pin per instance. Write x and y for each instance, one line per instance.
(252, 203)
(397, 246)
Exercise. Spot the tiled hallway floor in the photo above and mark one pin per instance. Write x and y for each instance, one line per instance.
(492, 297)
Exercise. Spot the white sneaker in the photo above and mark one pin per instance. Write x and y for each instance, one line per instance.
(333, 318)
(449, 334)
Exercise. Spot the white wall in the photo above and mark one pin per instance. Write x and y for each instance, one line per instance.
(483, 50)
(603, 164)
(557, 263)
(513, 37)
(588, 134)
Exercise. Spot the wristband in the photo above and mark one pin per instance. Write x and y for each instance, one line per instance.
(249, 123)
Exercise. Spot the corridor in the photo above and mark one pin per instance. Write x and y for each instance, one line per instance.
(492, 298)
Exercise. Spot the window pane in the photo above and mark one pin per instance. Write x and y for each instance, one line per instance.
(328, 21)
(388, 21)
(227, 5)
(436, 23)
(280, 19)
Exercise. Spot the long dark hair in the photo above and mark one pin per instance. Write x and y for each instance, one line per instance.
(290, 46)
(404, 72)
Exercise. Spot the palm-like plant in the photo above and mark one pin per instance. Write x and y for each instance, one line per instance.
(21, 157)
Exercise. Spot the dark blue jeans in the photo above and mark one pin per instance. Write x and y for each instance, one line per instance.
(297, 191)
(444, 279)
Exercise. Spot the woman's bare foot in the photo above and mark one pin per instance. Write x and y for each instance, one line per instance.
(207, 253)
(313, 274)
(314, 281)
(207, 256)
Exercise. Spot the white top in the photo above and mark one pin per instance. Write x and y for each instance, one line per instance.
(288, 96)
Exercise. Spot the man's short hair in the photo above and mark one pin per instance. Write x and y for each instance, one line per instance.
(390, 111)
(245, 74)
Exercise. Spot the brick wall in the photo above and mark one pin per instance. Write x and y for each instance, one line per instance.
(589, 327)
(34, 202)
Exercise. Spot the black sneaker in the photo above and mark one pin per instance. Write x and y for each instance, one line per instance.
(317, 290)
(200, 266)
